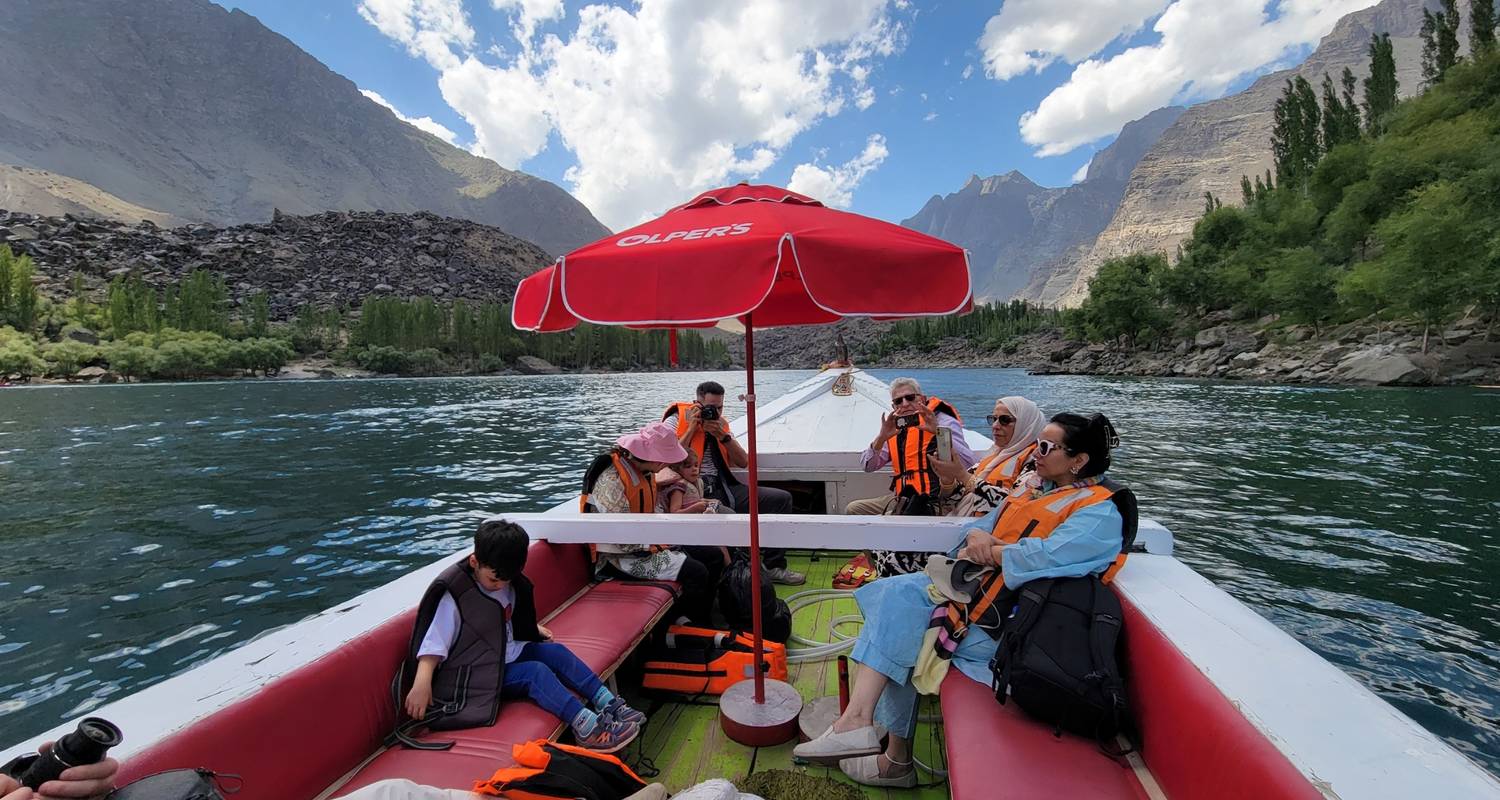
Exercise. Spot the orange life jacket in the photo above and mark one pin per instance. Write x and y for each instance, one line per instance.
(699, 438)
(1000, 473)
(545, 770)
(1036, 518)
(639, 490)
(698, 661)
(910, 451)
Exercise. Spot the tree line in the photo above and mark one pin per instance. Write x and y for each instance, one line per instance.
(1378, 207)
(989, 326)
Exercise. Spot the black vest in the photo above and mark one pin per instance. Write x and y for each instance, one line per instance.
(466, 685)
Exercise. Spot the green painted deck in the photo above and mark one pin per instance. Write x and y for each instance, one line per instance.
(686, 744)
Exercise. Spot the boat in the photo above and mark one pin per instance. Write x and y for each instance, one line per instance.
(1229, 705)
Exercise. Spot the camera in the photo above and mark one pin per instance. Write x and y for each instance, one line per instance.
(708, 413)
(86, 745)
(908, 421)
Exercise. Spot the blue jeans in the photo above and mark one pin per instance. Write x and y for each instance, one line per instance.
(548, 674)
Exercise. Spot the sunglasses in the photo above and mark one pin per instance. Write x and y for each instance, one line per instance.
(905, 398)
(1044, 447)
(1003, 419)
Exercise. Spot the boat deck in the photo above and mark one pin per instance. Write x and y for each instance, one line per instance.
(686, 744)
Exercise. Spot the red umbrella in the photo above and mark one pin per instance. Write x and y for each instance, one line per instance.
(762, 255)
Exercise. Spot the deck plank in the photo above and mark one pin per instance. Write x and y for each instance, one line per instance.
(687, 745)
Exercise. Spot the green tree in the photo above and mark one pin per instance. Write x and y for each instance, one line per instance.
(1430, 249)
(1303, 286)
(68, 356)
(130, 360)
(7, 280)
(1296, 132)
(1482, 27)
(1447, 38)
(1381, 87)
(1124, 302)
(258, 314)
(25, 301)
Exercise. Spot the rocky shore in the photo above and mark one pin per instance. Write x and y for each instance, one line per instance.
(328, 260)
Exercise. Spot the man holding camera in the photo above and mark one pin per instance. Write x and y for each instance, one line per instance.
(702, 429)
(83, 781)
(906, 441)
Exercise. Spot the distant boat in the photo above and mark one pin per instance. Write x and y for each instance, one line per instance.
(1230, 705)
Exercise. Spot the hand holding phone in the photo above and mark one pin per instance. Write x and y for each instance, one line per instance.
(944, 444)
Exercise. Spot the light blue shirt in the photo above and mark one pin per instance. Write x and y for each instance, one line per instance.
(1086, 543)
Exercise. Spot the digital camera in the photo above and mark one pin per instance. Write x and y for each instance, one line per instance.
(708, 413)
(908, 421)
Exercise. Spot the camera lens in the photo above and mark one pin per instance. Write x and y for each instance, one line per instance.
(102, 731)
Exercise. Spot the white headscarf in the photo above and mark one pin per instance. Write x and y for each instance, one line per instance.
(1028, 428)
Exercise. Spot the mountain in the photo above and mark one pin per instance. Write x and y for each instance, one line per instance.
(43, 192)
(188, 109)
(1018, 232)
(1213, 144)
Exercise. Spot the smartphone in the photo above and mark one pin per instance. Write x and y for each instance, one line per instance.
(944, 444)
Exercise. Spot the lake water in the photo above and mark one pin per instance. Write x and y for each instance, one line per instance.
(150, 527)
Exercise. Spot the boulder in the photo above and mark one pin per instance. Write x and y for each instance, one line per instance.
(23, 233)
(1381, 366)
(83, 335)
(1210, 337)
(92, 373)
(531, 365)
(1243, 360)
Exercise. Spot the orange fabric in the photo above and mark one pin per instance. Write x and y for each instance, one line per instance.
(681, 410)
(909, 450)
(730, 662)
(1037, 517)
(993, 471)
(532, 759)
(641, 492)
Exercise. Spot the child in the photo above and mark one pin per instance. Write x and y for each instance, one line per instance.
(481, 610)
(681, 492)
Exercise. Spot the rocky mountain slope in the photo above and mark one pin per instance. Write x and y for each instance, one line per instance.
(42, 192)
(1017, 232)
(327, 260)
(1210, 146)
(188, 109)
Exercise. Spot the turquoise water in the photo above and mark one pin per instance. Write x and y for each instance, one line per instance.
(148, 528)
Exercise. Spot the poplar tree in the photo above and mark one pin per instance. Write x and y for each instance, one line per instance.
(1447, 38)
(1381, 87)
(1482, 26)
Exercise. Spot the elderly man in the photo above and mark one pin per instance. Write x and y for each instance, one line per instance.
(702, 429)
(910, 448)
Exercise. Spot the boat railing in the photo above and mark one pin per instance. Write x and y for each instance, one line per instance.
(792, 531)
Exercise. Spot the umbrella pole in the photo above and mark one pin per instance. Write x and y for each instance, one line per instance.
(766, 714)
(760, 678)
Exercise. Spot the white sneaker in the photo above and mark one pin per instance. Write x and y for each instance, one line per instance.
(785, 576)
(833, 747)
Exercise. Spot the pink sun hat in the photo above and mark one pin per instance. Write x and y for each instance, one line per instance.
(655, 442)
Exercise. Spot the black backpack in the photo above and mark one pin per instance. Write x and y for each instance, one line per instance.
(1058, 659)
(734, 603)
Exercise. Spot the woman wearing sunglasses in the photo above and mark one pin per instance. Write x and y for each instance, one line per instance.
(1015, 426)
(1064, 519)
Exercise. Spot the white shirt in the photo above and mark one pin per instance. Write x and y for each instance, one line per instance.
(443, 631)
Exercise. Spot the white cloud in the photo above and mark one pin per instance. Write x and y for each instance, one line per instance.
(657, 101)
(1205, 46)
(931, 115)
(1028, 35)
(968, 71)
(528, 13)
(835, 185)
(428, 124)
(429, 29)
(1083, 171)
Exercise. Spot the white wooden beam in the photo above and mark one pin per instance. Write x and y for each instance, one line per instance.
(800, 531)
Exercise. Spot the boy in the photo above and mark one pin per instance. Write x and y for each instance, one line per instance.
(477, 641)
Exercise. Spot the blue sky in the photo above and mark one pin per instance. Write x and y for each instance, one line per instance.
(641, 107)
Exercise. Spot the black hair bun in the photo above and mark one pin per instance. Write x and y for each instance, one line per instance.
(1100, 426)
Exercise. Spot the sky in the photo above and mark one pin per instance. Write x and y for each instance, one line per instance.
(869, 105)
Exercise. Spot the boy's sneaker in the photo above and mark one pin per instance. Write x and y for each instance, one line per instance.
(617, 711)
(786, 577)
(609, 736)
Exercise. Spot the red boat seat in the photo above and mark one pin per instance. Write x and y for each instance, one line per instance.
(311, 728)
(991, 747)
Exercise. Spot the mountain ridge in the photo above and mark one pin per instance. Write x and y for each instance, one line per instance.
(192, 110)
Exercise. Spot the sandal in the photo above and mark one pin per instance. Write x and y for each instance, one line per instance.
(855, 574)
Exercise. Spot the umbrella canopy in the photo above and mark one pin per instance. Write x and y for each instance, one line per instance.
(762, 255)
(762, 250)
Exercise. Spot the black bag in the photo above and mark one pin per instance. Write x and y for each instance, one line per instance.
(177, 784)
(735, 604)
(1058, 658)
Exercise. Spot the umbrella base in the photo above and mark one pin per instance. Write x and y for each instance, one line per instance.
(760, 724)
(817, 717)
